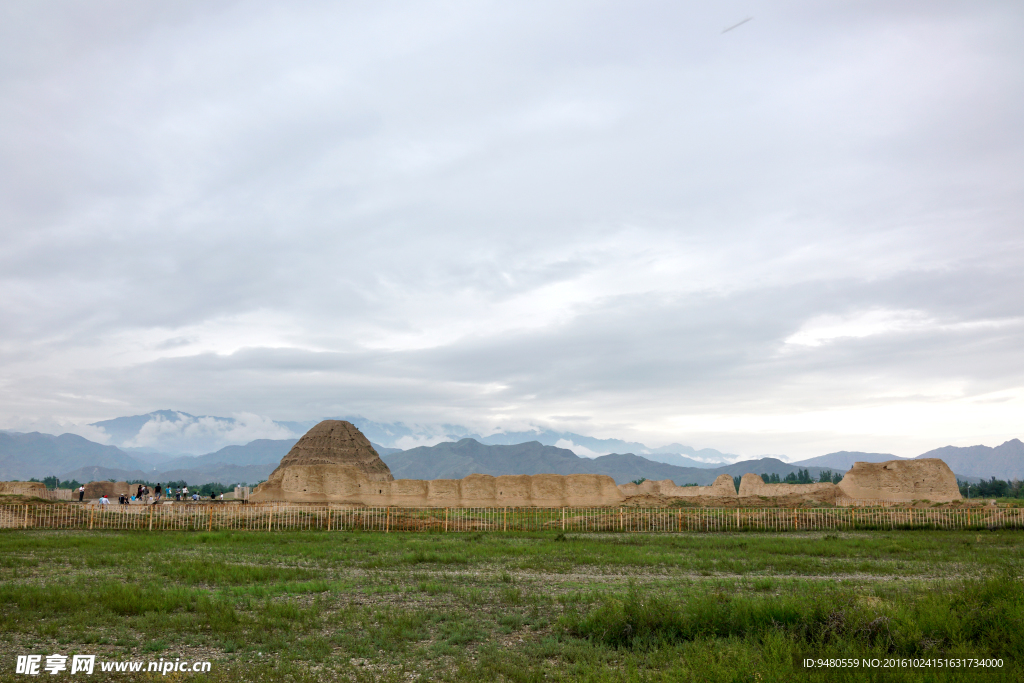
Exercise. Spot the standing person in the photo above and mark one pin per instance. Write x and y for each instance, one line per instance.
(156, 490)
(103, 500)
(81, 493)
(138, 494)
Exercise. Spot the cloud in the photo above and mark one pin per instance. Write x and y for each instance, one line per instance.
(55, 426)
(495, 214)
(407, 442)
(581, 451)
(205, 434)
(826, 328)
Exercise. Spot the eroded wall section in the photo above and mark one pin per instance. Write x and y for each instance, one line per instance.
(901, 480)
(23, 488)
(341, 484)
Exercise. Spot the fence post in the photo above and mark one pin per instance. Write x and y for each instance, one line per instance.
(387, 519)
(270, 517)
(151, 510)
(446, 519)
(737, 519)
(91, 513)
(563, 518)
(209, 526)
(328, 518)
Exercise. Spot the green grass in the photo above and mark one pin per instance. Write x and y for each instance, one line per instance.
(517, 607)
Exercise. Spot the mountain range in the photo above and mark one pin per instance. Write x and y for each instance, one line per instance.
(68, 456)
(23, 456)
(163, 435)
(1005, 461)
(72, 457)
(469, 456)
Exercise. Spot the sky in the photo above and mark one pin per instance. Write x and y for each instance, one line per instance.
(801, 235)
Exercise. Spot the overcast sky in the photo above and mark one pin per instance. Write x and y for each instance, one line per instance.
(801, 235)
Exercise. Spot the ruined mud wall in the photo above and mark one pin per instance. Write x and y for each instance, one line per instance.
(721, 492)
(23, 488)
(901, 480)
(334, 462)
(753, 491)
(112, 489)
(340, 484)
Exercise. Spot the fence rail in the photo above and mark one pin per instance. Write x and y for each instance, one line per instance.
(843, 501)
(210, 517)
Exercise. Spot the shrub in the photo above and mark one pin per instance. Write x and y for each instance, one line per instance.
(985, 616)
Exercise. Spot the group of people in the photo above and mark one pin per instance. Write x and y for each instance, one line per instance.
(143, 493)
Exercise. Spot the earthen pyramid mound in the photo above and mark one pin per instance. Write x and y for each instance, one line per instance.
(336, 442)
(332, 459)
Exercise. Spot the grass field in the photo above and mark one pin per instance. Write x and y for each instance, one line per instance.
(368, 606)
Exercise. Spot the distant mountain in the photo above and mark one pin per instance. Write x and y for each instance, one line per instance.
(683, 461)
(456, 460)
(1005, 461)
(398, 435)
(174, 431)
(23, 456)
(258, 452)
(26, 456)
(588, 445)
(92, 473)
(469, 456)
(148, 456)
(221, 474)
(122, 429)
(182, 434)
(843, 460)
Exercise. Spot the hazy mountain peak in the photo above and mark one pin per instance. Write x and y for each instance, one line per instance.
(173, 431)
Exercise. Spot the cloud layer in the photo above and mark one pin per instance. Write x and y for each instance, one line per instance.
(189, 434)
(797, 236)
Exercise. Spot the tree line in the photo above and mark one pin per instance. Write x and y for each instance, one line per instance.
(992, 488)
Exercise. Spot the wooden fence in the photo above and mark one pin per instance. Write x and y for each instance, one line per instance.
(843, 501)
(275, 517)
